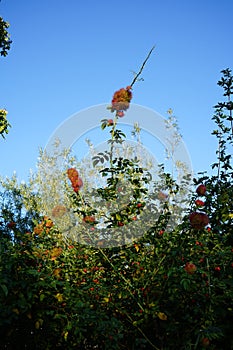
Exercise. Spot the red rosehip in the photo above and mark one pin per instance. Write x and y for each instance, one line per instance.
(120, 223)
(199, 203)
(205, 342)
(217, 268)
(120, 114)
(110, 122)
(198, 220)
(190, 268)
(201, 190)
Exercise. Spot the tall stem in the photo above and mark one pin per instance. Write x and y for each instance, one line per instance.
(231, 119)
(219, 158)
(112, 139)
(142, 67)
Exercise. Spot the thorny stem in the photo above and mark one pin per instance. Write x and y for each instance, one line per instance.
(133, 82)
(142, 67)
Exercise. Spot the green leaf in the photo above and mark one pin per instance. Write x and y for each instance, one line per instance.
(42, 296)
(4, 288)
(95, 162)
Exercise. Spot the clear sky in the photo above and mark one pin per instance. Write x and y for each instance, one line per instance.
(70, 55)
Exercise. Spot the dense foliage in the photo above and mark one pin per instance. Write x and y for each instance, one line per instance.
(167, 290)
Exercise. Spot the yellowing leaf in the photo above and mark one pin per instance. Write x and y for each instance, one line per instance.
(16, 311)
(55, 252)
(118, 217)
(231, 215)
(136, 246)
(151, 305)
(37, 325)
(29, 315)
(59, 297)
(106, 300)
(162, 316)
(57, 272)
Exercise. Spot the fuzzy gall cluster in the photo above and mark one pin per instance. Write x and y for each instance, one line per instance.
(121, 99)
(76, 181)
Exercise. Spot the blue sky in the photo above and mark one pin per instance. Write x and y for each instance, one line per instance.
(69, 55)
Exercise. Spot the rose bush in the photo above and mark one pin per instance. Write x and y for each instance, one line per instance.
(169, 289)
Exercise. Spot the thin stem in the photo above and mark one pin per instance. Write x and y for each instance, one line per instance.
(112, 139)
(142, 67)
(143, 334)
(147, 339)
(231, 119)
(231, 122)
(208, 268)
(156, 269)
(219, 160)
(123, 277)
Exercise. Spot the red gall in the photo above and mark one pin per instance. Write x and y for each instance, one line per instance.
(121, 99)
